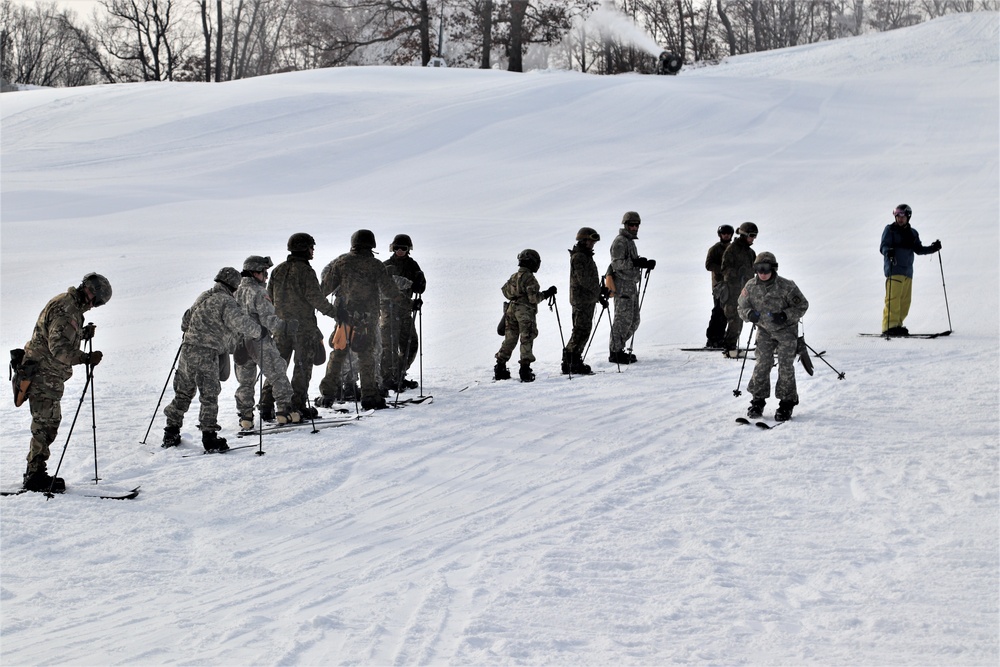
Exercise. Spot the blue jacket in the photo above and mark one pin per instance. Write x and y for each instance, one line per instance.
(899, 245)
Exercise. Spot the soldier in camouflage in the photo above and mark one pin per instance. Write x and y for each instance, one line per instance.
(626, 269)
(522, 293)
(294, 290)
(775, 305)
(715, 334)
(737, 269)
(399, 332)
(212, 327)
(360, 281)
(53, 350)
(253, 299)
(585, 290)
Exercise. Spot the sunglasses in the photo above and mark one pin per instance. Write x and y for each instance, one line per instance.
(762, 268)
(400, 247)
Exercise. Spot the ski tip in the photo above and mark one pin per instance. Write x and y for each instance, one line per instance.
(742, 420)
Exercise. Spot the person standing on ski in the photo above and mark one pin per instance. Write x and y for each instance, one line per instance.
(212, 327)
(737, 269)
(585, 290)
(775, 305)
(399, 331)
(523, 296)
(295, 293)
(626, 269)
(715, 334)
(253, 299)
(360, 281)
(900, 243)
(48, 363)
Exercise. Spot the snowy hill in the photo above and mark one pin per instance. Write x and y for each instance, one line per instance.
(616, 519)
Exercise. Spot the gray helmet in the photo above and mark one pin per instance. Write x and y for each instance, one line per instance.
(747, 228)
(725, 229)
(400, 241)
(363, 238)
(229, 277)
(256, 263)
(630, 216)
(903, 209)
(765, 262)
(530, 259)
(588, 234)
(99, 287)
(300, 242)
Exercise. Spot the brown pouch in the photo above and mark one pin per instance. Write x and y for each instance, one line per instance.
(21, 374)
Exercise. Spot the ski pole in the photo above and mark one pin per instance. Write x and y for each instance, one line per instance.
(822, 357)
(93, 413)
(395, 339)
(594, 333)
(554, 306)
(157, 409)
(350, 365)
(69, 435)
(420, 346)
(945, 288)
(737, 392)
(641, 299)
(260, 417)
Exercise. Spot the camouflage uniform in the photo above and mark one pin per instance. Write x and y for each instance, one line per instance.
(584, 292)
(523, 293)
(768, 298)
(253, 299)
(295, 293)
(715, 334)
(627, 276)
(737, 269)
(399, 331)
(359, 280)
(212, 327)
(55, 346)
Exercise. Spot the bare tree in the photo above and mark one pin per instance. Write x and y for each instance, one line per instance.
(144, 36)
(39, 46)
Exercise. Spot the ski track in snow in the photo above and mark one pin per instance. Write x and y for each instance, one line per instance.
(620, 518)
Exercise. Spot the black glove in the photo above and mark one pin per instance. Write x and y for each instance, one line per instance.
(603, 300)
(754, 316)
(640, 262)
(341, 315)
(263, 331)
(936, 246)
(650, 264)
(891, 255)
(419, 283)
(88, 331)
(550, 292)
(291, 326)
(93, 358)
(605, 292)
(779, 317)
(418, 303)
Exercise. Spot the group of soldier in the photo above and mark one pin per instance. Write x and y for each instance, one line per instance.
(267, 323)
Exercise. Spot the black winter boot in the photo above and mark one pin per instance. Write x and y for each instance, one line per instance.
(756, 408)
(784, 411)
(500, 371)
(526, 373)
(267, 412)
(567, 362)
(246, 420)
(212, 442)
(621, 357)
(171, 436)
(375, 402)
(39, 480)
(578, 367)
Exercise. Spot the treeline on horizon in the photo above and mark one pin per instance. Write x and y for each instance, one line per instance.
(42, 44)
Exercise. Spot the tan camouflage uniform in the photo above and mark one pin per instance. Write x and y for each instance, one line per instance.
(769, 297)
(296, 295)
(55, 346)
(584, 291)
(253, 299)
(212, 327)
(399, 331)
(715, 334)
(627, 277)
(523, 293)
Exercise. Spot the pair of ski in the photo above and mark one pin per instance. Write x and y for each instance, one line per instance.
(924, 336)
(761, 424)
(334, 421)
(389, 402)
(104, 495)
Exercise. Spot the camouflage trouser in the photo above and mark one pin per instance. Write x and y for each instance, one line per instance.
(785, 343)
(399, 343)
(715, 334)
(304, 346)
(275, 370)
(364, 344)
(197, 370)
(519, 323)
(734, 324)
(44, 398)
(583, 322)
(626, 319)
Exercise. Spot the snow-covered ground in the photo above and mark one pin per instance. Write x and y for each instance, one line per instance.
(621, 518)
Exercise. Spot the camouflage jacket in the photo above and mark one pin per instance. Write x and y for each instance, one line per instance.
(713, 261)
(253, 299)
(216, 321)
(408, 268)
(772, 296)
(359, 280)
(55, 340)
(737, 266)
(623, 254)
(584, 280)
(295, 292)
(522, 287)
